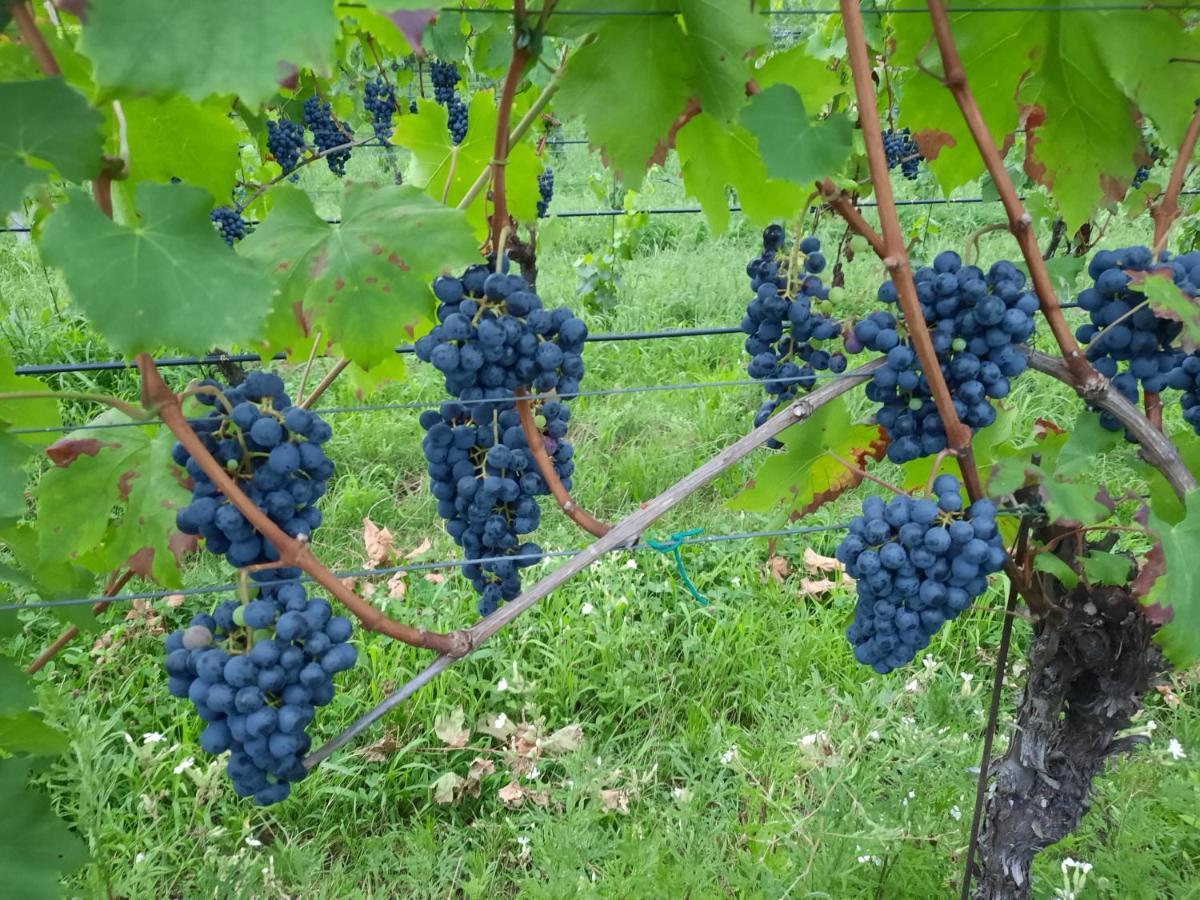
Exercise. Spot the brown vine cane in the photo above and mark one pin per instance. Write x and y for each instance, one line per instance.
(157, 397)
(1166, 210)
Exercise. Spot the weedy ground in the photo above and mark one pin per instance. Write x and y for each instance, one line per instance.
(728, 749)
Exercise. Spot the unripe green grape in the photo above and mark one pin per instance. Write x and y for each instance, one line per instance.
(239, 616)
(231, 465)
(859, 244)
(825, 307)
(837, 294)
(539, 420)
(958, 344)
(262, 634)
(914, 404)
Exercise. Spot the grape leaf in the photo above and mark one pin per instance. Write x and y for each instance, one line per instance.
(810, 77)
(16, 695)
(176, 138)
(792, 147)
(129, 469)
(1106, 568)
(806, 468)
(45, 122)
(49, 579)
(27, 734)
(446, 172)
(243, 47)
(26, 413)
(36, 845)
(1166, 299)
(13, 456)
(647, 58)
(713, 155)
(169, 280)
(1164, 502)
(363, 282)
(1087, 441)
(1052, 565)
(720, 35)
(1179, 587)
(1073, 501)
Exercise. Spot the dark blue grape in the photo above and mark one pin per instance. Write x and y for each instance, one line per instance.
(545, 192)
(229, 224)
(457, 119)
(285, 142)
(379, 99)
(328, 133)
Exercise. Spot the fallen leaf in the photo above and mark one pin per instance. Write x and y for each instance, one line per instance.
(380, 751)
(434, 577)
(397, 586)
(1170, 698)
(480, 768)
(812, 587)
(778, 568)
(814, 562)
(378, 542)
(174, 601)
(449, 728)
(615, 800)
(566, 740)
(498, 725)
(447, 788)
(419, 550)
(512, 795)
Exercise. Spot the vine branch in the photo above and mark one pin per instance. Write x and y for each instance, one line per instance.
(537, 448)
(895, 255)
(516, 67)
(32, 38)
(621, 534)
(839, 201)
(292, 552)
(115, 583)
(1020, 223)
(1166, 210)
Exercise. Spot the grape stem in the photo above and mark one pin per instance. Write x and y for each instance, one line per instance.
(323, 385)
(1020, 223)
(840, 202)
(112, 588)
(537, 449)
(861, 473)
(156, 396)
(895, 255)
(516, 68)
(32, 38)
(1166, 210)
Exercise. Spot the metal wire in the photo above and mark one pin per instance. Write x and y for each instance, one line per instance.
(430, 404)
(414, 567)
(826, 11)
(172, 361)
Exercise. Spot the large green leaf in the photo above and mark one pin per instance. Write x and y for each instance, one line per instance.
(26, 413)
(713, 155)
(25, 733)
(447, 171)
(793, 147)
(1086, 442)
(122, 469)
(46, 123)
(168, 280)
(16, 695)
(176, 138)
(13, 456)
(644, 58)
(36, 846)
(49, 579)
(720, 35)
(243, 47)
(1076, 79)
(1166, 299)
(1179, 587)
(806, 470)
(364, 282)
(810, 77)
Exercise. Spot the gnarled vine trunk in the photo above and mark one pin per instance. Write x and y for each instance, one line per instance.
(1089, 664)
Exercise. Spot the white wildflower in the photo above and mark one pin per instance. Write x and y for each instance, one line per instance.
(152, 737)
(253, 842)
(502, 685)
(729, 755)
(187, 763)
(140, 858)
(1176, 749)
(631, 563)
(955, 813)
(870, 858)
(587, 609)
(1068, 864)
(736, 581)
(874, 737)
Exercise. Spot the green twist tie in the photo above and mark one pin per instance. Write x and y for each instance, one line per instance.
(672, 547)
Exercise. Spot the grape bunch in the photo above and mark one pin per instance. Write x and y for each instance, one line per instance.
(444, 77)
(901, 150)
(1126, 341)
(789, 311)
(916, 564)
(328, 133)
(412, 106)
(379, 99)
(976, 322)
(272, 449)
(255, 673)
(1143, 171)
(495, 336)
(545, 181)
(485, 482)
(285, 142)
(229, 224)
(457, 121)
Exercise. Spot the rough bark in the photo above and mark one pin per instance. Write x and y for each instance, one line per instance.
(1090, 662)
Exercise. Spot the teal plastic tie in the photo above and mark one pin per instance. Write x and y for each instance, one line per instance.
(672, 547)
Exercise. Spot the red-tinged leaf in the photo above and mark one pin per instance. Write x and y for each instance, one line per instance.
(66, 450)
(930, 142)
(412, 24)
(1152, 567)
(1043, 427)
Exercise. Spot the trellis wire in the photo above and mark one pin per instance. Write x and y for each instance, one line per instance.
(413, 567)
(694, 210)
(818, 11)
(430, 404)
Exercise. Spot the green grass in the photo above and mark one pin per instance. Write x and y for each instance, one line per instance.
(842, 784)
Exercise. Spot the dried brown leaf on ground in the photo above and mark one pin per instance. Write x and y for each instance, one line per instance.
(378, 543)
(450, 728)
(615, 800)
(381, 750)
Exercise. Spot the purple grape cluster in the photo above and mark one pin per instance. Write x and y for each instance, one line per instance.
(916, 564)
(379, 99)
(255, 673)
(229, 224)
(976, 322)
(328, 133)
(273, 450)
(901, 150)
(285, 142)
(444, 77)
(545, 181)
(457, 121)
(784, 319)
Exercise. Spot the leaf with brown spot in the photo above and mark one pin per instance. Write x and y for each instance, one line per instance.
(480, 768)
(66, 450)
(448, 788)
(512, 795)
(567, 739)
